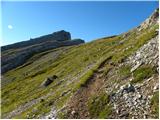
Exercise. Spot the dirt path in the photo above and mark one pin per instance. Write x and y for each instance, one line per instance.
(78, 103)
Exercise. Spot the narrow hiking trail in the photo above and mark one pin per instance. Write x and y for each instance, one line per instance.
(78, 104)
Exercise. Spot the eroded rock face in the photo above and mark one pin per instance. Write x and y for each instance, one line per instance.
(24, 50)
(154, 18)
(61, 35)
(56, 36)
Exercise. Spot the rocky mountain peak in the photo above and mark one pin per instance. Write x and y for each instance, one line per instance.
(62, 35)
(153, 19)
(56, 36)
(25, 49)
(155, 16)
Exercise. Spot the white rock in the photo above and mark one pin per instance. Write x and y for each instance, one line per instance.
(73, 112)
(139, 96)
(156, 87)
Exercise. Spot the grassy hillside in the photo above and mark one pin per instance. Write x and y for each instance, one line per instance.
(90, 72)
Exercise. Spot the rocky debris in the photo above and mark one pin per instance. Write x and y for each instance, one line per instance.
(32, 47)
(73, 112)
(49, 80)
(51, 115)
(136, 66)
(128, 103)
(153, 19)
(147, 54)
(124, 115)
(129, 88)
(133, 101)
(156, 88)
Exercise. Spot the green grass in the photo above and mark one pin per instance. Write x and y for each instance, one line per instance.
(63, 66)
(106, 70)
(61, 115)
(155, 104)
(69, 64)
(134, 42)
(124, 71)
(99, 106)
(142, 73)
(85, 78)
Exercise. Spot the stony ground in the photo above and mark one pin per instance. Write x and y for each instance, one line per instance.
(128, 100)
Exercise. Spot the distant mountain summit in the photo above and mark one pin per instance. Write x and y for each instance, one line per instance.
(26, 49)
(56, 36)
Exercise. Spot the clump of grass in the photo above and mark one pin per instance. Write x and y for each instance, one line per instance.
(99, 106)
(155, 104)
(84, 78)
(142, 73)
(61, 115)
(124, 71)
(62, 101)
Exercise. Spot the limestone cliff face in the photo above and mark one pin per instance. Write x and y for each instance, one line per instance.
(16, 54)
(153, 19)
(56, 36)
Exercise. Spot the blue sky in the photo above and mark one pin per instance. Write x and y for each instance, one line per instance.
(87, 20)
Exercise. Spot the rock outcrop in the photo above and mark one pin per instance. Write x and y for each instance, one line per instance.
(19, 53)
(56, 36)
(153, 19)
(49, 80)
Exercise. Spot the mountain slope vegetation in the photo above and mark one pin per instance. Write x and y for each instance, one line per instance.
(112, 77)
